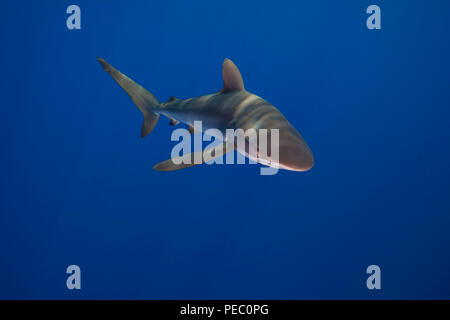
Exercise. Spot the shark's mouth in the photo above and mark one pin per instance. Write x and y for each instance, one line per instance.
(275, 164)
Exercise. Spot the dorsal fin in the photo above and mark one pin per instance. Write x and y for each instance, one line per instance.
(232, 79)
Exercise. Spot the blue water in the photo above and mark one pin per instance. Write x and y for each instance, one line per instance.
(77, 185)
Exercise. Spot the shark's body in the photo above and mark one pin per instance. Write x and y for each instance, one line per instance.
(231, 108)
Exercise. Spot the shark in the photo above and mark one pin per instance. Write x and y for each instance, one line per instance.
(233, 107)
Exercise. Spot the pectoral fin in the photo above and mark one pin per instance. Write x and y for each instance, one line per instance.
(188, 160)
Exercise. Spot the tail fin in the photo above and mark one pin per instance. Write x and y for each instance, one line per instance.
(144, 100)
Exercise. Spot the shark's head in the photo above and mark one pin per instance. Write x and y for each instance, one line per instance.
(293, 152)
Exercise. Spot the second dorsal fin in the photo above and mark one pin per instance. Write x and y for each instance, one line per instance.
(232, 79)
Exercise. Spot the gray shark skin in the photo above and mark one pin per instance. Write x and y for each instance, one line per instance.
(231, 108)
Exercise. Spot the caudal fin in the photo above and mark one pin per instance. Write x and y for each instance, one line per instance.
(143, 99)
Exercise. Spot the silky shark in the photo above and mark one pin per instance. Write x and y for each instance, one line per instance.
(233, 107)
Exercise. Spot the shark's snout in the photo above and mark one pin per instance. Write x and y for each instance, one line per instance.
(294, 153)
(296, 158)
(288, 152)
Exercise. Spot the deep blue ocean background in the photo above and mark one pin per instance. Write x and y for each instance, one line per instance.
(77, 185)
